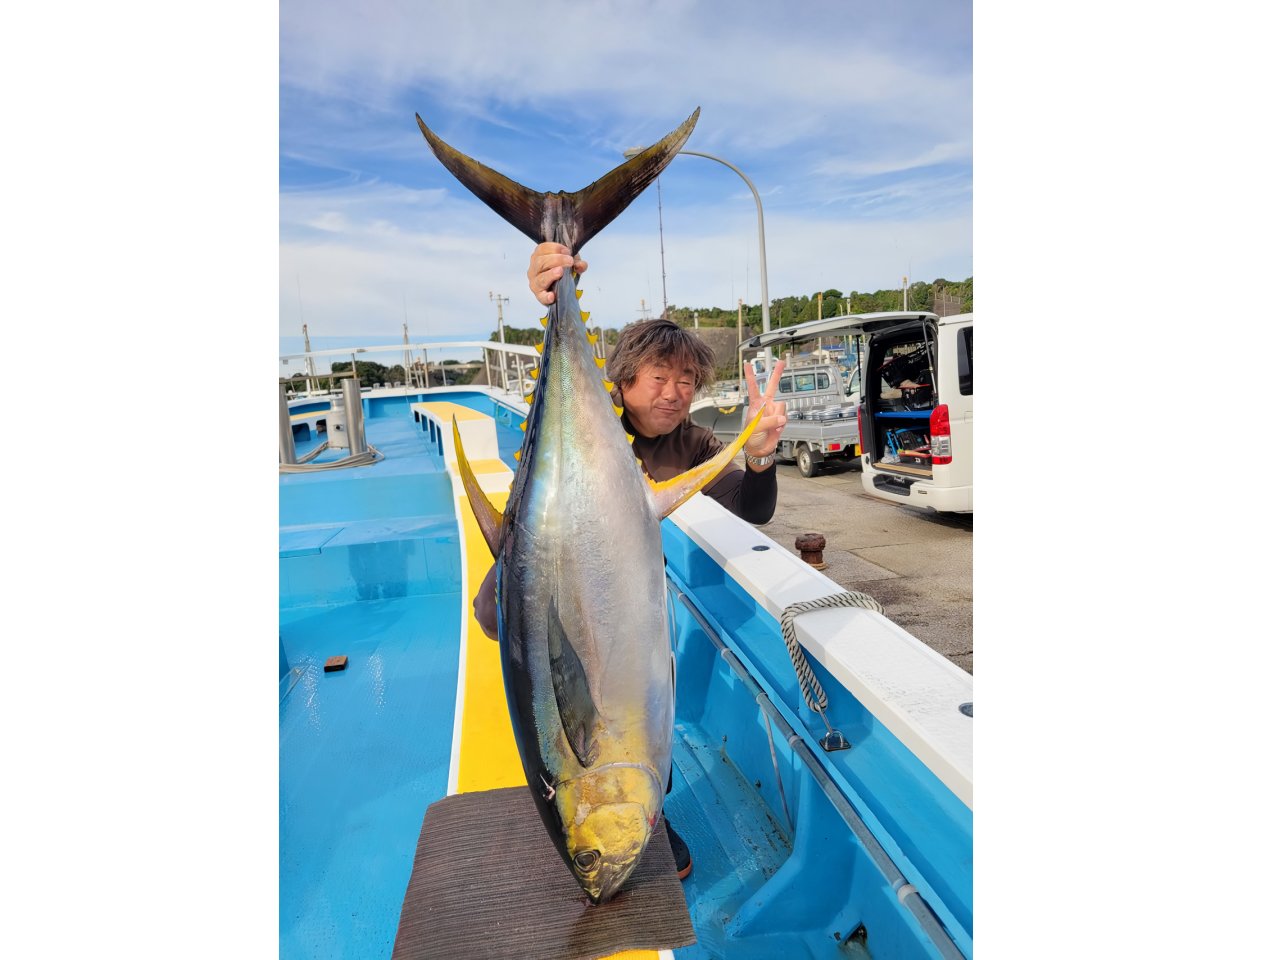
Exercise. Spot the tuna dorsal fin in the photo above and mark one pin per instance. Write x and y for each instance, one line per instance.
(578, 715)
(669, 494)
(568, 218)
(487, 515)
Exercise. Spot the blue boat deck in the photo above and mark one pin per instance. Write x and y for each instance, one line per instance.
(372, 567)
(368, 570)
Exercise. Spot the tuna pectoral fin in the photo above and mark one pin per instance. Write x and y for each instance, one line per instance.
(669, 494)
(487, 515)
(568, 218)
(578, 715)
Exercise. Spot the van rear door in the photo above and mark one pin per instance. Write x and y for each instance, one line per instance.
(853, 324)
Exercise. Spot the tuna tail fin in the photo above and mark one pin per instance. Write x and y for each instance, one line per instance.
(487, 516)
(669, 494)
(568, 218)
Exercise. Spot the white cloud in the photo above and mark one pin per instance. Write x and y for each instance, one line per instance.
(367, 279)
(891, 162)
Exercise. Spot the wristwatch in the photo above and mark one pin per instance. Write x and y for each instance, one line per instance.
(765, 461)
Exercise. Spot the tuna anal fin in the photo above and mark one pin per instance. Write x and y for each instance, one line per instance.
(486, 514)
(669, 494)
(578, 715)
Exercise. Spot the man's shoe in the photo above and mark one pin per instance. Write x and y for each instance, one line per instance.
(680, 850)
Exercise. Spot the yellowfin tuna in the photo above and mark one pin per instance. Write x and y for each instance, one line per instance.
(582, 602)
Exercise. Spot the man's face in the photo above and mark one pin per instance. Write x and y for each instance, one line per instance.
(659, 399)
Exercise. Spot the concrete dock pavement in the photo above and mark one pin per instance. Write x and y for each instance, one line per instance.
(918, 565)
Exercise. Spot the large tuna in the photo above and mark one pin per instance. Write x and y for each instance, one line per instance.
(582, 604)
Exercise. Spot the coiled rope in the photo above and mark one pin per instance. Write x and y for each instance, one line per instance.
(814, 695)
(304, 464)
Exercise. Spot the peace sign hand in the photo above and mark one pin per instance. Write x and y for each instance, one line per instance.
(764, 440)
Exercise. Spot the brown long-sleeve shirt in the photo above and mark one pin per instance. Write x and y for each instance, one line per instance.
(751, 495)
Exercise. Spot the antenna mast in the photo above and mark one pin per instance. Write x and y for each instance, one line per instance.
(662, 253)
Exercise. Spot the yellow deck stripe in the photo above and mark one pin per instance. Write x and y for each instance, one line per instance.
(445, 409)
(483, 468)
(488, 758)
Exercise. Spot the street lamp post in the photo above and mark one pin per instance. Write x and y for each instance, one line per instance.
(764, 272)
(502, 337)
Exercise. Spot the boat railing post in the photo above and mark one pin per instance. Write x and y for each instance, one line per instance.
(288, 453)
(351, 400)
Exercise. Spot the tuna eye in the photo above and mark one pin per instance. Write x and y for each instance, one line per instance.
(587, 859)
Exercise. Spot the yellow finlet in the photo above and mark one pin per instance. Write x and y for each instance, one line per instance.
(516, 454)
(543, 321)
(586, 315)
(608, 384)
(539, 346)
(617, 409)
(524, 425)
(592, 338)
(579, 293)
(528, 398)
(533, 372)
(631, 438)
(600, 362)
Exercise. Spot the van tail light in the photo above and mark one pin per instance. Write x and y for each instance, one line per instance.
(862, 430)
(940, 434)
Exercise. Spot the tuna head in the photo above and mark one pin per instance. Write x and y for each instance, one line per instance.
(607, 816)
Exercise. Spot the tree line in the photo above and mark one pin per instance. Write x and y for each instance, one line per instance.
(789, 311)
(372, 374)
(783, 312)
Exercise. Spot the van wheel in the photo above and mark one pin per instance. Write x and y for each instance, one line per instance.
(804, 461)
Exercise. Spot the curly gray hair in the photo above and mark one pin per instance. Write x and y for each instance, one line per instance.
(658, 341)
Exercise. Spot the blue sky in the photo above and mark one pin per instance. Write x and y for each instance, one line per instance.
(853, 120)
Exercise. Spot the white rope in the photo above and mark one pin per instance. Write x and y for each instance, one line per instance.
(817, 701)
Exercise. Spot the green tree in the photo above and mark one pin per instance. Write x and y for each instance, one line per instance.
(367, 371)
(523, 336)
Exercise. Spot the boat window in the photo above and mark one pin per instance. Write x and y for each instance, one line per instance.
(965, 360)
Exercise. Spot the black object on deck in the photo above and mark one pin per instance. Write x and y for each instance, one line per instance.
(487, 882)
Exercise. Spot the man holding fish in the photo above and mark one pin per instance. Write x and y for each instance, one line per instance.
(657, 368)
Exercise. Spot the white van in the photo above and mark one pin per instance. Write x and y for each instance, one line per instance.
(916, 408)
(916, 413)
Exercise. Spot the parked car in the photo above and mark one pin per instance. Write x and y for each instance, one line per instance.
(916, 403)
(822, 415)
